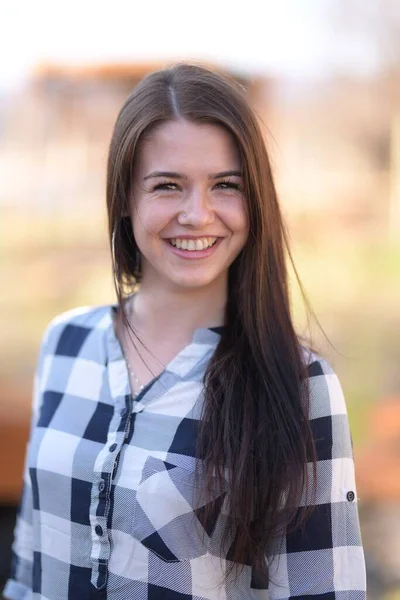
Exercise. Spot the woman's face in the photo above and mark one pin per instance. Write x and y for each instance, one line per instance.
(187, 204)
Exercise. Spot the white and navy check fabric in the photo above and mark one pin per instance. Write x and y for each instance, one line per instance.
(107, 509)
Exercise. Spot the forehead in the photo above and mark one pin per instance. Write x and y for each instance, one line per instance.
(188, 146)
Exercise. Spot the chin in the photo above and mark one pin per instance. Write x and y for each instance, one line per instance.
(192, 282)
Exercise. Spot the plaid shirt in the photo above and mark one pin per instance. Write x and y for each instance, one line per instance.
(107, 509)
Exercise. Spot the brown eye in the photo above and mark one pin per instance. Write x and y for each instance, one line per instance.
(166, 186)
(229, 185)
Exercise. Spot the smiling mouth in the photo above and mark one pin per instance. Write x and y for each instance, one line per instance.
(193, 245)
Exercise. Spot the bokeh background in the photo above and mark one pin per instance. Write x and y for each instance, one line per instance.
(324, 76)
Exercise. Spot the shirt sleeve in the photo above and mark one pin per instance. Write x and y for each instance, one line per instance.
(325, 558)
(19, 585)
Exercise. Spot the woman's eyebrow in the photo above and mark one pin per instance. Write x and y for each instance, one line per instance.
(171, 174)
(174, 175)
(225, 174)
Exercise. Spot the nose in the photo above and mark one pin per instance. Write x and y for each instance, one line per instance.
(196, 210)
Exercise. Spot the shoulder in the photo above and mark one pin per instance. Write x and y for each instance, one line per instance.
(329, 419)
(71, 328)
(326, 397)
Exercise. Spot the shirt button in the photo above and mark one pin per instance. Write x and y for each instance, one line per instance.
(98, 530)
(112, 447)
(102, 485)
(350, 496)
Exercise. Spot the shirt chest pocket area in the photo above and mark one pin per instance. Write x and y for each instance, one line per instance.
(168, 512)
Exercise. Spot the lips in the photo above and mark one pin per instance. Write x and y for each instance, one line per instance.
(192, 254)
(193, 244)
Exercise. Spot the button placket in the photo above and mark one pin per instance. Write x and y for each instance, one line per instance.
(115, 467)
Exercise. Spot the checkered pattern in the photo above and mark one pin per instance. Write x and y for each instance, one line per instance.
(108, 507)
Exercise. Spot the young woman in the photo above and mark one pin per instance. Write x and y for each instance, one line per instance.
(185, 443)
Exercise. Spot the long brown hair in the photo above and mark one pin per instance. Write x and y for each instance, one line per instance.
(254, 423)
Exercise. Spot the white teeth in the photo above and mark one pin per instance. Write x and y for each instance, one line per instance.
(198, 244)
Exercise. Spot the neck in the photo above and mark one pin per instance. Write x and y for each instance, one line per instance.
(179, 311)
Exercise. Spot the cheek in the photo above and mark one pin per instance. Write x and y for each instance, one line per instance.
(235, 217)
(150, 217)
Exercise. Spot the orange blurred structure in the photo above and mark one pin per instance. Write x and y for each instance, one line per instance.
(378, 463)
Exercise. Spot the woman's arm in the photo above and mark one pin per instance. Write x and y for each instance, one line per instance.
(19, 585)
(325, 559)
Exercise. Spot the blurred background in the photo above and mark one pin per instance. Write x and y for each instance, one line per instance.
(324, 76)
